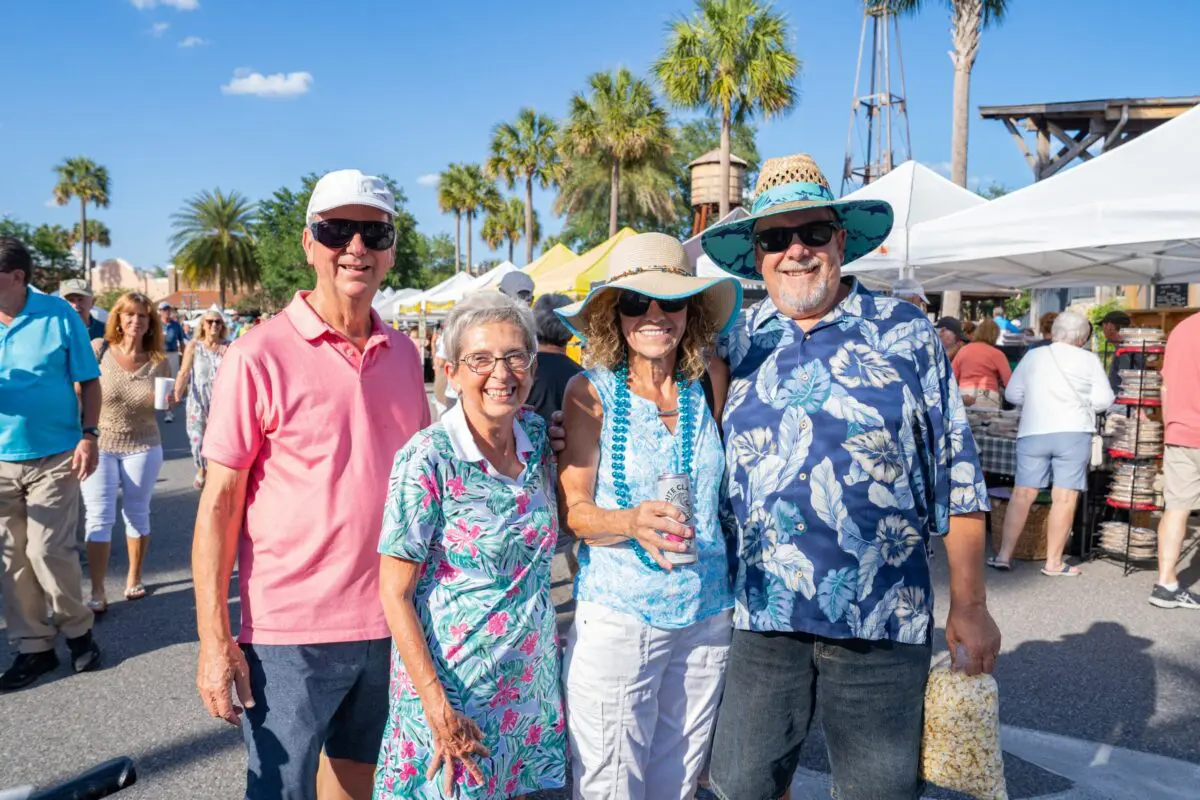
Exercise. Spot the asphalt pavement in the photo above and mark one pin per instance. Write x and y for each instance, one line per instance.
(1087, 660)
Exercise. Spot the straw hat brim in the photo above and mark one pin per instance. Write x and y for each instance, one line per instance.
(731, 245)
(725, 295)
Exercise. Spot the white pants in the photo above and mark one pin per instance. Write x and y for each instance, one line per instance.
(641, 703)
(134, 474)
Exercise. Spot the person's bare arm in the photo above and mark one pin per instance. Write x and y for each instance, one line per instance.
(185, 371)
(214, 552)
(87, 452)
(456, 737)
(969, 623)
(583, 420)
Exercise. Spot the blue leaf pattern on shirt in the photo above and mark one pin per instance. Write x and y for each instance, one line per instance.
(847, 448)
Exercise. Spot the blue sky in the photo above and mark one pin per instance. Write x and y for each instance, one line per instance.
(406, 88)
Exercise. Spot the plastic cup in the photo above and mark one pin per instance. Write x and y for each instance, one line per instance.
(162, 393)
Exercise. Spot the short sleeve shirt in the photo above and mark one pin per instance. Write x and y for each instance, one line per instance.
(317, 423)
(1181, 377)
(847, 448)
(43, 354)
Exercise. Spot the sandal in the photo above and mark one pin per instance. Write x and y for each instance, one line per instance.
(1065, 571)
(135, 592)
(97, 606)
(995, 563)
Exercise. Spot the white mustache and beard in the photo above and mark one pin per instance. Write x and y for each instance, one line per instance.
(814, 298)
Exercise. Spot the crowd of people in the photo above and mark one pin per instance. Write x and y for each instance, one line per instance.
(397, 636)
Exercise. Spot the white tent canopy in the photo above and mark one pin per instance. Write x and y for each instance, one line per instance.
(490, 279)
(917, 194)
(1129, 216)
(447, 291)
(388, 299)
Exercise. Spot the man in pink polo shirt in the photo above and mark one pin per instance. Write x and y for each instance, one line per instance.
(308, 412)
(1181, 461)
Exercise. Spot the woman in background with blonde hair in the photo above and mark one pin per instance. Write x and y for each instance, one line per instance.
(195, 382)
(131, 356)
(982, 369)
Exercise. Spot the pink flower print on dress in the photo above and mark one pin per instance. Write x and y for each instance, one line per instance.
(407, 771)
(522, 502)
(456, 488)
(506, 692)
(530, 535)
(529, 646)
(433, 492)
(509, 723)
(389, 781)
(492, 781)
(510, 788)
(517, 765)
(514, 587)
(445, 572)
(534, 735)
(527, 675)
(403, 685)
(560, 724)
(408, 749)
(497, 624)
(461, 539)
(459, 631)
(549, 537)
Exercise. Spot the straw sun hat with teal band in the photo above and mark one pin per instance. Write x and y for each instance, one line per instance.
(793, 183)
(655, 264)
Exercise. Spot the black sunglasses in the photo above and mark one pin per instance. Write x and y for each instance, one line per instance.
(632, 304)
(337, 233)
(817, 233)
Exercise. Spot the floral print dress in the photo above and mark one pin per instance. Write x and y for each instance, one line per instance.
(205, 363)
(486, 543)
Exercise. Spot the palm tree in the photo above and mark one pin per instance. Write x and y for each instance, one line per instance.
(646, 190)
(507, 223)
(732, 59)
(526, 149)
(82, 178)
(212, 241)
(620, 122)
(968, 18)
(97, 233)
(478, 194)
(450, 200)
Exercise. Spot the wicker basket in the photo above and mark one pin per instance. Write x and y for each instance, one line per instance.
(1032, 544)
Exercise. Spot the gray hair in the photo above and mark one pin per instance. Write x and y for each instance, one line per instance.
(1071, 327)
(484, 308)
(550, 328)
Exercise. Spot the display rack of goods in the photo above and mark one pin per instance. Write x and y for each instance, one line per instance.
(1139, 338)
(1142, 542)
(1138, 384)
(1131, 438)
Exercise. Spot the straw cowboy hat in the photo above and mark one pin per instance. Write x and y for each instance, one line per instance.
(655, 264)
(787, 184)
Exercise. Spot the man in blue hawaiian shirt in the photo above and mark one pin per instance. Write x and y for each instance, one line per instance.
(847, 450)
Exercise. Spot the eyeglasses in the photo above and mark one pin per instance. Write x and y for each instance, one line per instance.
(817, 233)
(633, 304)
(213, 322)
(485, 363)
(337, 233)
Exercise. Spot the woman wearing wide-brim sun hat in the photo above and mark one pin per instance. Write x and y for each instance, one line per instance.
(645, 658)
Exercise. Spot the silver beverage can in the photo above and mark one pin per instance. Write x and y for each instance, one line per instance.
(677, 490)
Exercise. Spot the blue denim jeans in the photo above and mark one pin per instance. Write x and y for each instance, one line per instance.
(871, 696)
(307, 697)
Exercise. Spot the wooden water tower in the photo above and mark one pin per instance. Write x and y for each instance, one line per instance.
(706, 187)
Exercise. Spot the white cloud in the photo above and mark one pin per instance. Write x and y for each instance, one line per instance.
(159, 28)
(429, 179)
(193, 41)
(293, 84)
(181, 5)
(51, 203)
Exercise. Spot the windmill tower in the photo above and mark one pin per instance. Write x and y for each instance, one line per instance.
(878, 139)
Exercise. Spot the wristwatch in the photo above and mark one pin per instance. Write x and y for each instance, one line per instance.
(92, 432)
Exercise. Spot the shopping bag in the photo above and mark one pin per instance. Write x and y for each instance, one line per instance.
(960, 746)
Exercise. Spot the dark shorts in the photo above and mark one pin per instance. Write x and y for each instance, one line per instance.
(872, 700)
(309, 697)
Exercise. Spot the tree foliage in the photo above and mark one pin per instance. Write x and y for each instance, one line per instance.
(83, 179)
(526, 151)
(48, 248)
(507, 224)
(212, 241)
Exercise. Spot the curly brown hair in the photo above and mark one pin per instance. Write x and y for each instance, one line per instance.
(606, 346)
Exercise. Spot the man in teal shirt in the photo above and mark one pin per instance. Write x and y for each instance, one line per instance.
(44, 454)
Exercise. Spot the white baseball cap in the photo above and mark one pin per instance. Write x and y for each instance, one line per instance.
(349, 187)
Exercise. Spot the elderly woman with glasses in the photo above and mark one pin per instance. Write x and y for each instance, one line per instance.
(1060, 389)
(469, 533)
(640, 482)
(195, 382)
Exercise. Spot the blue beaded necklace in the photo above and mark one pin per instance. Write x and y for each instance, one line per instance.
(620, 434)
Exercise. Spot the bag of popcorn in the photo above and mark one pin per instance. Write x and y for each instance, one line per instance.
(960, 747)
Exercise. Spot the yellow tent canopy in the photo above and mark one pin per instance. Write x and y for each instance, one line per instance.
(576, 276)
(548, 261)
